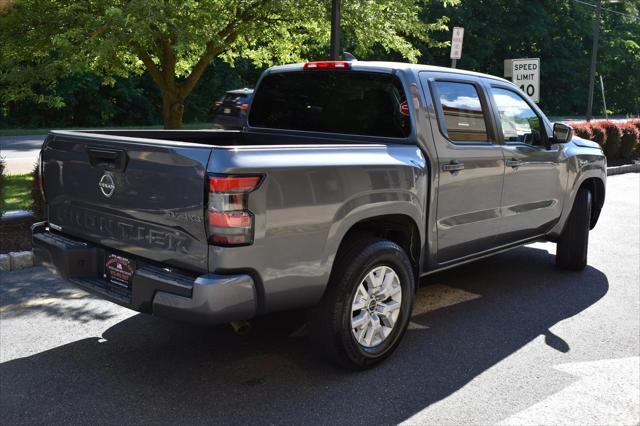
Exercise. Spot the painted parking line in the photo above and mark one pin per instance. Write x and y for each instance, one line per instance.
(438, 296)
(430, 298)
(605, 392)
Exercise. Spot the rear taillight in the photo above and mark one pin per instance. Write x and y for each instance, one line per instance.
(229, 220)
(244, 107)
(217, 103)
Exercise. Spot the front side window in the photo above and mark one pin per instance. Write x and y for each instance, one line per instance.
(518, 120)
(350, 102)
(463, 114)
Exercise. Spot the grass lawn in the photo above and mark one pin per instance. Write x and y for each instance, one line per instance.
(23, 132)
(17, 192)
(36, 131)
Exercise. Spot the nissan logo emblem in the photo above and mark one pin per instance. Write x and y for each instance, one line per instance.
(107, 185)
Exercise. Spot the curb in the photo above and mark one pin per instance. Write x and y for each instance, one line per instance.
(16, 260)
(627, 168)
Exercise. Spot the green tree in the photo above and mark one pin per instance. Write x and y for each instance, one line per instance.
(559, 32)
(175, 41)
(619, 58)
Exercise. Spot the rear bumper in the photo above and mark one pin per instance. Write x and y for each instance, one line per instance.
(204, 299)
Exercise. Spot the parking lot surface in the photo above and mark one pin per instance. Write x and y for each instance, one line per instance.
(20, 152)
(509, 339)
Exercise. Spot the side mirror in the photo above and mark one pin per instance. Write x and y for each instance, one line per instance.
(562, 133)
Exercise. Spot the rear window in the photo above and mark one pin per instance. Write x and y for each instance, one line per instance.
(348, 102)
(235, 97)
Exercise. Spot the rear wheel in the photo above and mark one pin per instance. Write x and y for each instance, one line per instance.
(573, 243)
(368, 303)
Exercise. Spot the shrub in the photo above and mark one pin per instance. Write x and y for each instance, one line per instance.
(630, 140)
(36, 194)
(582, 130)
(614, 138)
(599, 133)
(636, 124)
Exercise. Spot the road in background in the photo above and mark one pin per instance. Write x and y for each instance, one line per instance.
(509, 339)
(20, 152)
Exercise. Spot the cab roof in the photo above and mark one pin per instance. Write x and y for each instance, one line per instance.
(243, 91)
(388, 67)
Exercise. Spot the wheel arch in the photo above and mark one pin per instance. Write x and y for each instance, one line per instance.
(597, 188)
(401, 229)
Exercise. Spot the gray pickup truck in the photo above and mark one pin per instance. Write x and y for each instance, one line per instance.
(350, 182)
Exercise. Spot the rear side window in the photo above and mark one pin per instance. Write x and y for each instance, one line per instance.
(348, 102)
(231, 98)
(463, 114)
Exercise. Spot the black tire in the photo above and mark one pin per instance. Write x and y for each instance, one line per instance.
(330, 321)
(571, 252)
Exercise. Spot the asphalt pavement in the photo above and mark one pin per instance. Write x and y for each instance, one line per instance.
(509, 339)
(20, 152)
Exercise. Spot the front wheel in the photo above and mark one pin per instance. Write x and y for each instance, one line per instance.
(571, 252)
(368, 303)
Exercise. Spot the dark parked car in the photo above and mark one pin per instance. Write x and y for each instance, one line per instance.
(350, 182)
(230, 112)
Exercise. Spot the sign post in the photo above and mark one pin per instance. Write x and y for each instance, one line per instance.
(604, 101)
(456, 45)
(526, 75)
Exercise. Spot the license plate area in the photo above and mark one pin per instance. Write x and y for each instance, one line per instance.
(119, 271)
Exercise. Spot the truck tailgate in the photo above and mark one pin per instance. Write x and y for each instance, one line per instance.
(141, 197)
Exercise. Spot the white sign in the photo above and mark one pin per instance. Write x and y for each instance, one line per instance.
(456, 42)
(526, 75)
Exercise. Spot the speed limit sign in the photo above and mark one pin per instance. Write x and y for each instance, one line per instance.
(526, 75)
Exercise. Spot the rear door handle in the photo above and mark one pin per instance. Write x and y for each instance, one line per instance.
(452, 167)
(513, 163)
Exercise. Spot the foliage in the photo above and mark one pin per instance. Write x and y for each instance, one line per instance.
(583, 130)
(559, 32)
(175, 41)
(599, 133)
(66, 64)
(37, 206)
(630, 140)
(618, 57)
(129, 102)
(618, 138)
(636, 123)
(16, 193)
(614, 136)
(636, 149)
(88, 103)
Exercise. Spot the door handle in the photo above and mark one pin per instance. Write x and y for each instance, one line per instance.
(453, 167)
(513, 163)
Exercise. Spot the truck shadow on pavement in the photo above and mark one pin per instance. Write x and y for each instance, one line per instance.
(148, 370)
(52, 297)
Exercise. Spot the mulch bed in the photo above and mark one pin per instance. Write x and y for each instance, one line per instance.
(15, 234)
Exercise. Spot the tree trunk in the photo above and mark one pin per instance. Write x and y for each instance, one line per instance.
(172, 109)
